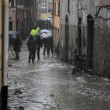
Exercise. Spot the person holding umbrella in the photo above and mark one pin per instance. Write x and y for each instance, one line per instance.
(47, 41)
(34, 43)
(17, 45)
(39, 45)
(31, 44)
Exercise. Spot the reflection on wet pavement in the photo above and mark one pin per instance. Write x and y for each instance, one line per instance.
(49, 85)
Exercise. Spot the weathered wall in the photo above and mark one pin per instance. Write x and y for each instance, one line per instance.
(12, 18)
(102, 42)
(61, 47)
(77, 8)
(101, 57)
(101, 16)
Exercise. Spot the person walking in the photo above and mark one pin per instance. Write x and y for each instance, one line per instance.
(31, 44)
(45, 44)
(34, 32)
(39, 45)
(17, 45)
(50, 46)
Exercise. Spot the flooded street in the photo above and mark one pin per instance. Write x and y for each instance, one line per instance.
(49, 85)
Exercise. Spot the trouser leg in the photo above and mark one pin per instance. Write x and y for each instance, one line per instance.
(30, 55)
(17, 55)
(48, 50)
(44, 50)
(38, 53)
(51, 49)
(33, 55)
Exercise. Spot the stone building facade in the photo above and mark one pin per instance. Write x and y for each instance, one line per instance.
(85, 26)
(22, 16)
(56, 24)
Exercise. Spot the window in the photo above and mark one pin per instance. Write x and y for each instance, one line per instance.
(10, 25)
(12, 3)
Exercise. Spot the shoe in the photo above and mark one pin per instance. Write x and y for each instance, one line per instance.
(38, 60)
(33, 61)
(29, 62)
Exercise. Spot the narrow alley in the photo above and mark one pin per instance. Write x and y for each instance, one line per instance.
(49, 85)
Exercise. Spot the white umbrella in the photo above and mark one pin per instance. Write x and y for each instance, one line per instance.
(44, 35)
(44, 31)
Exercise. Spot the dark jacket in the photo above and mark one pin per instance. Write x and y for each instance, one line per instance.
(31, 43)
(39, 41)
(17, 45)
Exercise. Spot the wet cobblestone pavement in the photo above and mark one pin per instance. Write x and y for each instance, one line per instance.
(49, 85)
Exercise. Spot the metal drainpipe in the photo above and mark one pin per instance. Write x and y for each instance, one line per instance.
(16, 17)
(53, 19)
(4, 91)
(1, 72)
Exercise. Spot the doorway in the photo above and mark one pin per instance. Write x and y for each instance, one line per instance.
(90, 41)
(66, 38)
(79, 36)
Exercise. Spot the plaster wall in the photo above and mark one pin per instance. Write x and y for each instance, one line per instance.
(101, 48)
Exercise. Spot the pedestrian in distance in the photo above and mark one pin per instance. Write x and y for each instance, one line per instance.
(50, 46)
(45, 44)
(34, 32)
(39, 45)
(17, 45)
(31, 44)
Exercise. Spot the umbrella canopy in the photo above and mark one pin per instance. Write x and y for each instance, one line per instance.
(45, 33)
(12, 34)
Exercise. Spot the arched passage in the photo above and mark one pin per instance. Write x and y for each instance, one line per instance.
(79, 35)
(66, 38)
(90, 41)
